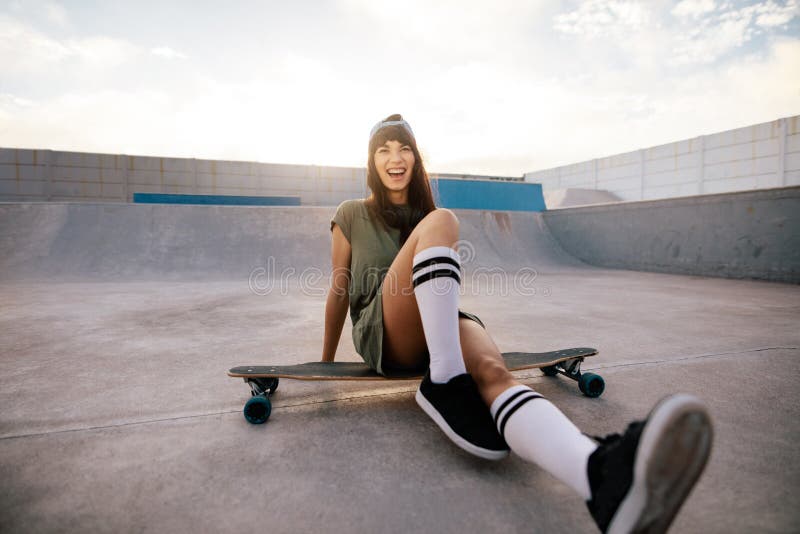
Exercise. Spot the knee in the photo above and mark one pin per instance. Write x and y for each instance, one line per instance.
(442, 219)
(490, 371)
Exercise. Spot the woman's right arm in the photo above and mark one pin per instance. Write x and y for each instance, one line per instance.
(338, 297)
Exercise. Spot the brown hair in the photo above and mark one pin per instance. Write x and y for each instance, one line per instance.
(420, 198)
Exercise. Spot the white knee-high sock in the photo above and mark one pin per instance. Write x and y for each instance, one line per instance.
(538, 432)
(436, 278)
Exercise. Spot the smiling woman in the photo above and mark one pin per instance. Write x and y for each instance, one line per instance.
(395, 268)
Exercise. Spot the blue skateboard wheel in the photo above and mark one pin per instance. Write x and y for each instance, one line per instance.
(591, 385)
(257, 410)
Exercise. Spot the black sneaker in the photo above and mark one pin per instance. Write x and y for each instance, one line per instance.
(640, 479)
(460, 412)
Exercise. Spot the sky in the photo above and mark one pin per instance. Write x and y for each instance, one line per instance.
(493, 88)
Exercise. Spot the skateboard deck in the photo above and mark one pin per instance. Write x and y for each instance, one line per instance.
(263, 379)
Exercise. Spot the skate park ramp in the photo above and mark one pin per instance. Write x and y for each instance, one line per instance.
(119, 322)
(124, 242)
(571, 197)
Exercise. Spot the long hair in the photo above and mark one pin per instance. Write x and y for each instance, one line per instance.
(420, 198)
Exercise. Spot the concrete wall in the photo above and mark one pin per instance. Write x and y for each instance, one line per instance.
(48, 175)
(34, 175)
(755, 157)
(736, 235)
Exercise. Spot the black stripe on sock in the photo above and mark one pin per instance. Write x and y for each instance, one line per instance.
(439, 267)
(433, 261)
(502, 427)
(509, 401)
(442, 273)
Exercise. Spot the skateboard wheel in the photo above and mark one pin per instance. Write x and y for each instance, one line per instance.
(257, 410)
(591, 385)
(550, 370)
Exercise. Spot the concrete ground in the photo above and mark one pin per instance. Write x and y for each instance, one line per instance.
(117, 414)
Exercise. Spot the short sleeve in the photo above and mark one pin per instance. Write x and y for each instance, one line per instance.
(344, 218)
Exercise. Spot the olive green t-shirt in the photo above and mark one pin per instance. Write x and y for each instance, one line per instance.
(373, 250)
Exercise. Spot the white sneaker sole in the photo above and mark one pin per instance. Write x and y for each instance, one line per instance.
(428, 408)
(673, 450)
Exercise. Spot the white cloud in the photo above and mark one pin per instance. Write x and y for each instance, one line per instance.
(771, 14)
(25, 50)
(9, 100)
(693, 8)
(448, 30)
(167, 53)
(712, 38)
(604, 18)
(56, 14)
(707, 38)
(21, 46)
(103, 51)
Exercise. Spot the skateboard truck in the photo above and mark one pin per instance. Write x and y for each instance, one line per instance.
(590, 384)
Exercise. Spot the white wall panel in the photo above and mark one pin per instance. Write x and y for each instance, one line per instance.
(279, 169)
(758, 156)
(31, 172)
(142, 177)
(144, 188)
(9, 187)
(111, 191)
(178, 178)
(655, 166)
(624, 184)
(182, 165)
(617, 160)
(27, 157)
(74, 189)
(792, 161)
(730, 184)
(669, 178)
(10, 172)
(76, 174)
(793, 143)
(143, 163)
(173, 190)
(615, 173)
(76, 159)
(113, 176)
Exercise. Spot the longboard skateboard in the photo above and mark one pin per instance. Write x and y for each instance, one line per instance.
(263, 379)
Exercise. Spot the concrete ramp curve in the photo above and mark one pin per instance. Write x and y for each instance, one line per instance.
(70, 241)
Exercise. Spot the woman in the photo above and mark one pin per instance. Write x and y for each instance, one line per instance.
(396, 270)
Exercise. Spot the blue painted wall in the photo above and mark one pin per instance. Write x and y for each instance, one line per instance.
(223, 200)
(462, 194)
(486, 195)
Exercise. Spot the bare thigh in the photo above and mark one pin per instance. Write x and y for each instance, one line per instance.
(403, 337)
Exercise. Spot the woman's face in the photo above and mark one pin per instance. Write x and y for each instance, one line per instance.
(395, 163)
